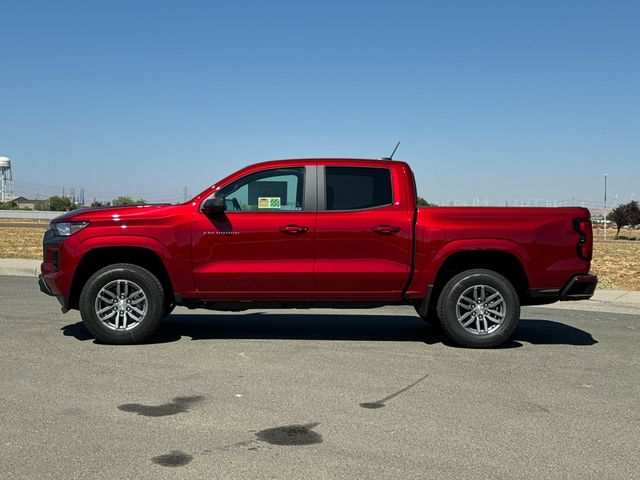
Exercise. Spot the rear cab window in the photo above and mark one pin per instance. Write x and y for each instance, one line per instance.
(357, 188)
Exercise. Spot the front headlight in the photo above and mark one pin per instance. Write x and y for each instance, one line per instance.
(65, 229)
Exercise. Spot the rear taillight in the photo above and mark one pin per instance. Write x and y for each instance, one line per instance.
(585, 244)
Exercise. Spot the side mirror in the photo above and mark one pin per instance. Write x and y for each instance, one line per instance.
(214, 206)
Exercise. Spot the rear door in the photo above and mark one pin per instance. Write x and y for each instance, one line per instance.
(262, 247)
(363, 234)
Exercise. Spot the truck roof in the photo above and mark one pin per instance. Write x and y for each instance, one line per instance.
(352, 161)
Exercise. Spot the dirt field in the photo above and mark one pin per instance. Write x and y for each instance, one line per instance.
(21, 240)
(617, 263)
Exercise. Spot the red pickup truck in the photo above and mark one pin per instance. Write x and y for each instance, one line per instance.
(342, 233)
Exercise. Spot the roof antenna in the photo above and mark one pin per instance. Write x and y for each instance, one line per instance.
(392, 153)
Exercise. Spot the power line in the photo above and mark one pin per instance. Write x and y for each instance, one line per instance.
(52, 188)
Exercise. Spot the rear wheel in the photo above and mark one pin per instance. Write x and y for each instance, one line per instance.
(479, 309)
(122, 304)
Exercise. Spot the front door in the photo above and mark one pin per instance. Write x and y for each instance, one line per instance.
(262, 247)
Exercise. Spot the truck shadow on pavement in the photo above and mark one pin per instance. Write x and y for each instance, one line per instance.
(384, 328)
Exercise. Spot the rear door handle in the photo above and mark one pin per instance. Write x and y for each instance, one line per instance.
(386, 229)
(294, 229)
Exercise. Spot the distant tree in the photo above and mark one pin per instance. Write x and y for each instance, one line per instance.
(123, 201)
(60, 204)
(625, 214)
(42, 206)
(8, 205)
(127, 200)
(96, 204)
(423, 203)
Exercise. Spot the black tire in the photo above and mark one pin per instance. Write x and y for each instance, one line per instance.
(495, 332)
(133, 276)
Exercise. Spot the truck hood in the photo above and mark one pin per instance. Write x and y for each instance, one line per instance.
(109, 213)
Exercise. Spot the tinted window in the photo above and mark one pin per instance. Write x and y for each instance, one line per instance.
(267, 191)
(355, 188)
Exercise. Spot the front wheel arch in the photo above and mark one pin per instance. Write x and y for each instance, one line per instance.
(98, 258)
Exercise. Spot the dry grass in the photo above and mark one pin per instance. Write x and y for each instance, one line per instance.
(626, 233)
(617, 263)
(21, 241)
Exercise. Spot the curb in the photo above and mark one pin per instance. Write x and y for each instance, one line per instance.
(19, 267)
(19, 272)
(605, 306)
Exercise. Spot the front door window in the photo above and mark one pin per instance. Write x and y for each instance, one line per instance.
(275, 190)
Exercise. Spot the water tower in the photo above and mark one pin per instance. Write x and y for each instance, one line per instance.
(6, 182)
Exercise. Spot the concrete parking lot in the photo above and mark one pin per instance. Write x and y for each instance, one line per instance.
(315, 394)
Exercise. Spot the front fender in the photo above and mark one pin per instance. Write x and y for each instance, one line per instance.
(175, 258)
(138, 241)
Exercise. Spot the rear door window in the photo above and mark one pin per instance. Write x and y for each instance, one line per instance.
(357, 188)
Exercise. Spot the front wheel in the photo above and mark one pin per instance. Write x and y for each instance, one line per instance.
(122, 304)
(479, 309)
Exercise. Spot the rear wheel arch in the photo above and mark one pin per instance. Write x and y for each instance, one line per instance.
(504, 263)
(499, 261)
(98, 258)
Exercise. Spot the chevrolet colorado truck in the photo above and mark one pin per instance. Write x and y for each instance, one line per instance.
(316, 232)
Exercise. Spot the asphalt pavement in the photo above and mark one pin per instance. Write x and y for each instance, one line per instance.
(315, 394)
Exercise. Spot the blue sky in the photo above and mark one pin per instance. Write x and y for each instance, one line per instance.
(500, 100)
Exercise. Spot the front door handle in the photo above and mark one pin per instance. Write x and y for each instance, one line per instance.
(294, 229)
(386, 229)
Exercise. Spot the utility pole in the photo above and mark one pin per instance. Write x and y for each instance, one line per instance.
(605, 206)
(184, 193)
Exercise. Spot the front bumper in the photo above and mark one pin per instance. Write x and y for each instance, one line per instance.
(44, 288)
(56, 276)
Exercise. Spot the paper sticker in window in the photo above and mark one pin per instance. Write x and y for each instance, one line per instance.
(268, 202)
